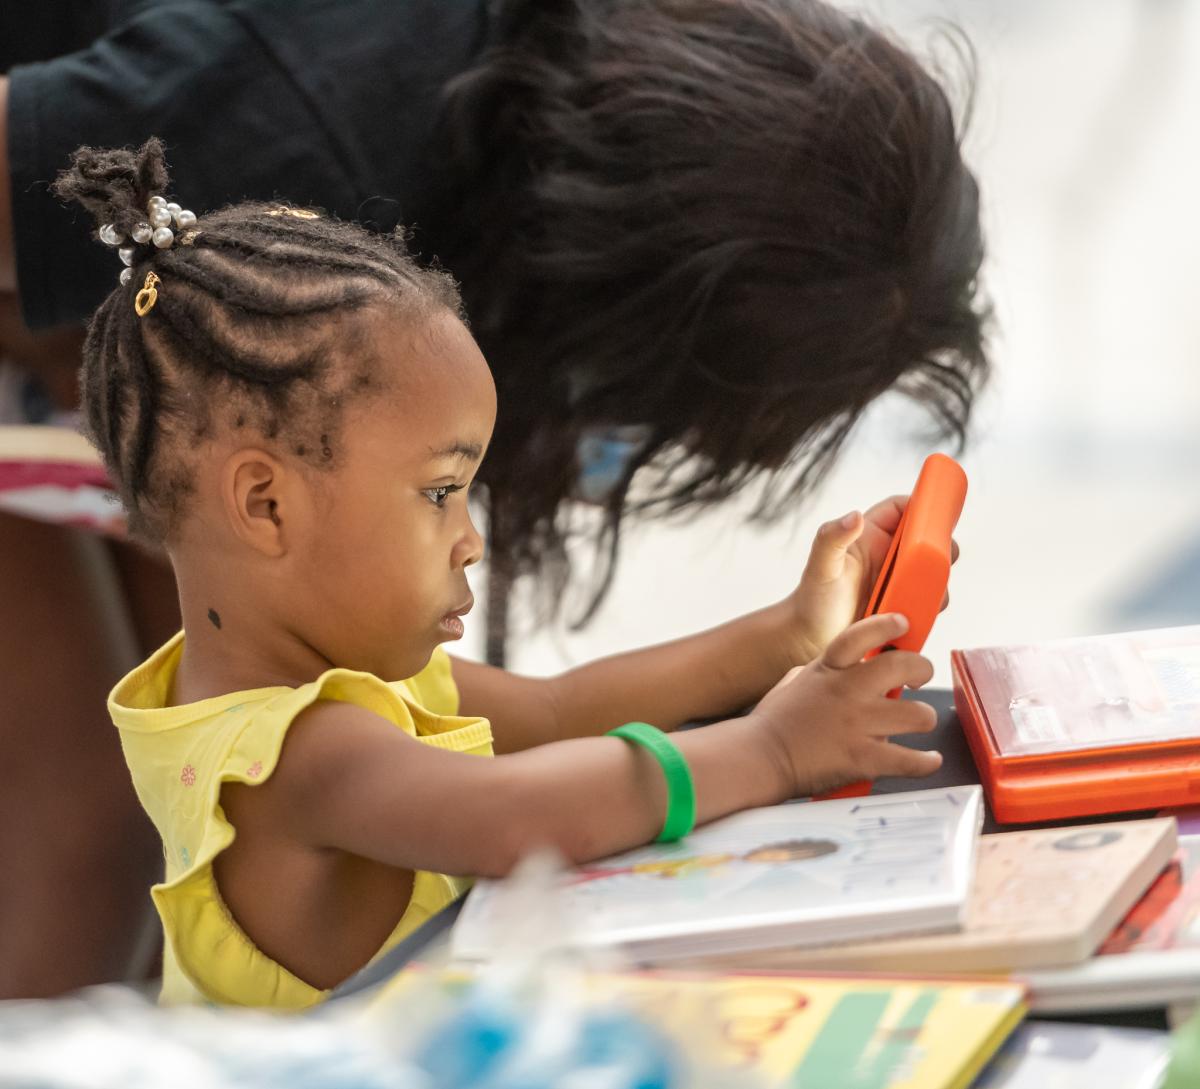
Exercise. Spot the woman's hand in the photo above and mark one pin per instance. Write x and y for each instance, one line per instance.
(828, 723)
(842, 567)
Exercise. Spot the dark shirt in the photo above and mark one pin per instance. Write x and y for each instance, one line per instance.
(328, 103)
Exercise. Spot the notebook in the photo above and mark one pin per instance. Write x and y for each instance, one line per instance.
(1047, 897)
(799, 874)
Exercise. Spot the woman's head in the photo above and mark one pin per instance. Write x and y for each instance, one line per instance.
(270, 393)
(733, 222)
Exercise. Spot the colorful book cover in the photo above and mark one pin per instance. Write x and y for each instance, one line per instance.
(1041, 897)
(1168, 916)
(819, 1032)
(848, 1033)
(786, 875)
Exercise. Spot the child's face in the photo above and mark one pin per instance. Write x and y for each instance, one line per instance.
(385, 569)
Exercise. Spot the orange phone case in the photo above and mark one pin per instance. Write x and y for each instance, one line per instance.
(916, 569)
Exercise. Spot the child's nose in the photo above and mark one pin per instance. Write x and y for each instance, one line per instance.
(470, 549)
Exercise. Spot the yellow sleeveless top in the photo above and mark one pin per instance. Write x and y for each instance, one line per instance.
(180, 756)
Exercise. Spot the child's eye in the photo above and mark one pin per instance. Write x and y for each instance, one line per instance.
(438, 496)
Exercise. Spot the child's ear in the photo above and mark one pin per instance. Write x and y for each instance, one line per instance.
(255, 491)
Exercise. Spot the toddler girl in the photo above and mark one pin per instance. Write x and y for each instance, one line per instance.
(295, 412)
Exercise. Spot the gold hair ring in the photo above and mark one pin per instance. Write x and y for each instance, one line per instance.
(295, 213)
(144, 302)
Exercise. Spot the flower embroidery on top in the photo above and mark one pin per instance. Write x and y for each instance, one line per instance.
(255, 769)
(188, 776)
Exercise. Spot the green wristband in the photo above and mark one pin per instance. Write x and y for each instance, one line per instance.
(681, 791)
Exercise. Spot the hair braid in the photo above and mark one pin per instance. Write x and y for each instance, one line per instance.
(252, 325)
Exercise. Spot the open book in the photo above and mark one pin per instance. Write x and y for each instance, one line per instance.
(799, 874)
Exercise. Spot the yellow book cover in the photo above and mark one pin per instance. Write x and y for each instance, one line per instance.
(823, 1032)
(853, 1033)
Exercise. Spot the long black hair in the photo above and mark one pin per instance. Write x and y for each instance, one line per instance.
(729, 223)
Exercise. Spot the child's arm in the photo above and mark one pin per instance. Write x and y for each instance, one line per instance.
(350, 780)
(716, 672)
(702, 676)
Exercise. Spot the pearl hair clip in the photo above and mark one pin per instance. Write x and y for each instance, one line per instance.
(161, 216)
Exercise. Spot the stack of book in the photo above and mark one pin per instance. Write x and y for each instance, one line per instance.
(783, 877)
(888, 883)
(882, 909)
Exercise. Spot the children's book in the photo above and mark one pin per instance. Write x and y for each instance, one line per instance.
(1082, 726)
(52, 474)
(1062, 1055)
(848, 1032)
(804, 873)
(1047, 897)
(818, 1032)
(1152, 958)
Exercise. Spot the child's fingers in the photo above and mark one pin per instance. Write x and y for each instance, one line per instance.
(901, 717)
(897, 669)
(954, 550)
(905, 717)
(887, 512)
(827, 558)
(850, 646)
(893, 759)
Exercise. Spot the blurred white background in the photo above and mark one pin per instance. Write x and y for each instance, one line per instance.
(1084, 509)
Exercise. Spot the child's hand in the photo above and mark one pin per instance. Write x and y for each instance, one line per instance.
(842, 567)
(829, 722)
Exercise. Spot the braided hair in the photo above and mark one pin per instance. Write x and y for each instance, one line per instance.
(255, 324)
